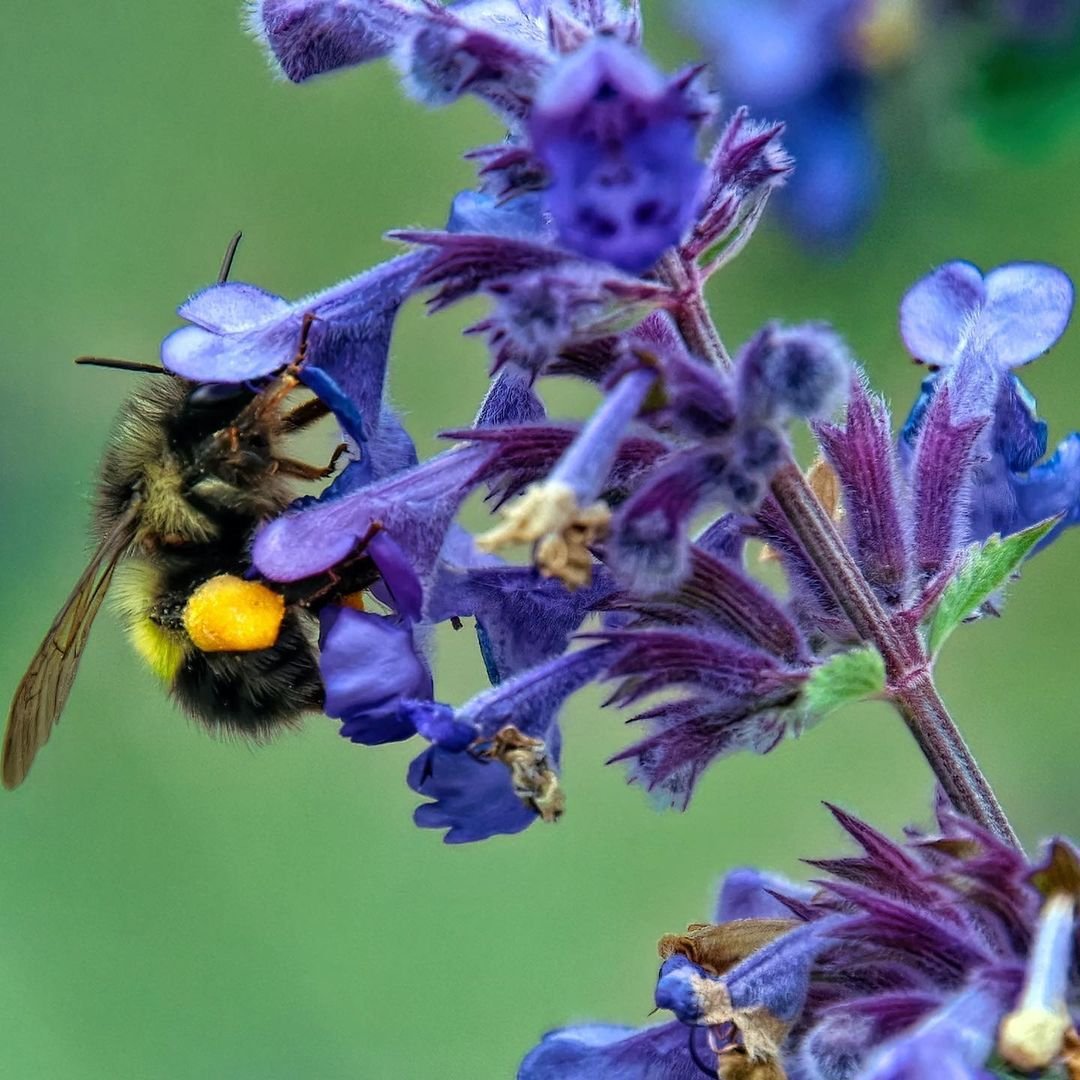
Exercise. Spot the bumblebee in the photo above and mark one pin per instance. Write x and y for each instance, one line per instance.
(189, 472)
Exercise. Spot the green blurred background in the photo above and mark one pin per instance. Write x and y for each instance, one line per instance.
(174, 907)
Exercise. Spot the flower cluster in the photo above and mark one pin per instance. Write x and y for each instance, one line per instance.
(594, 227)
(592, 233)
(945, 956)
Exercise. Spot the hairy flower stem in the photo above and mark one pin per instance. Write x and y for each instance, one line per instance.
(927, 718)
(830, 555)
(909, 681)
(692, 315)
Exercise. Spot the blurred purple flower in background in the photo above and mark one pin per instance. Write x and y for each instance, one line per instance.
(798, 61)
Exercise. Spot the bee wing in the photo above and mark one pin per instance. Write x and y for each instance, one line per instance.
(44, 689)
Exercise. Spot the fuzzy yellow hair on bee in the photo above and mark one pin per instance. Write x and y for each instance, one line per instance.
(189, 473)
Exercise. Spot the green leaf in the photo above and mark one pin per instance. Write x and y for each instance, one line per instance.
(986, 569)
(846, 677)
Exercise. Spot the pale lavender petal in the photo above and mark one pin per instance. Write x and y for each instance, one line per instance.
(936, 313)
(746, 893)
(202, 356)
(231, 307)
(348, 335)
(1028, 306)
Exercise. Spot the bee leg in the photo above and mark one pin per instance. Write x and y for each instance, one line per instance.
(335, 457)
(301, 349)
(305, 414)
(168, 612)
(301, 470)
(254, 416)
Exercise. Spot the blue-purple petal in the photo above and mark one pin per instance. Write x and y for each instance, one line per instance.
(472, 799)
(367, 662)
(231, 307)
(415, 507)
(398, 575)
(612, 1052)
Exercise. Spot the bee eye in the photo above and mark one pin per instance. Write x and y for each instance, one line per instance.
(210, 395)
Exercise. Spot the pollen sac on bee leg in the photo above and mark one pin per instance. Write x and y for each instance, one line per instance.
(228, 614)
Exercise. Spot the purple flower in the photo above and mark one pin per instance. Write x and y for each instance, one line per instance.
(905, 961)
(618, 143)
(414, 508)
(309, 37)
(798, 62)
(771, 53)
(367, 663)
(738, 427)
(508, 776)
(494, 49)
(976, 329)
(834, 189)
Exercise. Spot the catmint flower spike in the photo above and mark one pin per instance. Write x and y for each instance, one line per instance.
(1031, 1036)
(617, 139)
(562, 515)
(310, 37)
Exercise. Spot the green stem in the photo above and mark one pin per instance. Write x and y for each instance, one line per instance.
(909, 680)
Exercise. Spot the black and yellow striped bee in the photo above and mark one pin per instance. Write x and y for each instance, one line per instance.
(189, 472)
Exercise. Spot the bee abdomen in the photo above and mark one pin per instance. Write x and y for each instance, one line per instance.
(252, 693)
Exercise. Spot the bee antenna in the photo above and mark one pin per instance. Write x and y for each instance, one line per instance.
(230, 254)
(121, 365)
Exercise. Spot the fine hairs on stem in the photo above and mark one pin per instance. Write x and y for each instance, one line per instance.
(909, 674)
